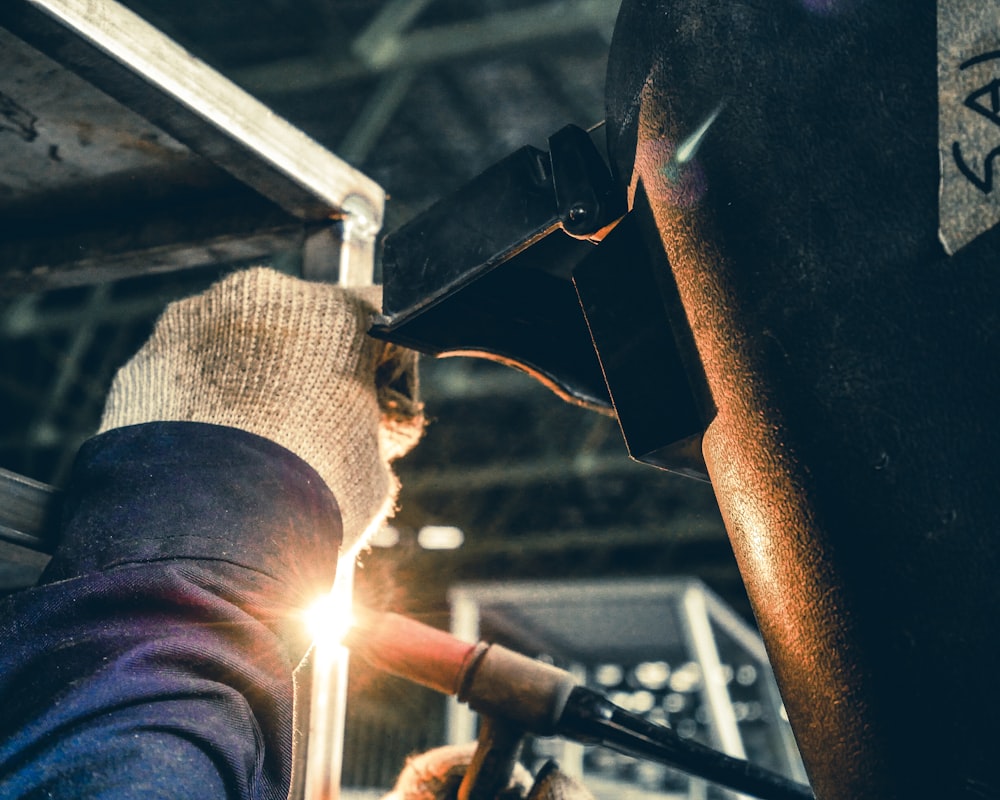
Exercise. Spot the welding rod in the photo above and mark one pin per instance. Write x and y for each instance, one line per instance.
(545, 700)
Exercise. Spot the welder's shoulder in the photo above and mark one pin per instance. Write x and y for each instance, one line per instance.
(189, 490)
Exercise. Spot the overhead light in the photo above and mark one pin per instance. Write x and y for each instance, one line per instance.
(386, 536)
(608, 675)
(440, 537)
(652, 675)
(686, 678)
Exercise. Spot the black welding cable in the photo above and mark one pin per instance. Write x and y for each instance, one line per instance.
(547, 701)
(591, 718)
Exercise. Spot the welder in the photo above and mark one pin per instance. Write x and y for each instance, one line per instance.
(248, 439)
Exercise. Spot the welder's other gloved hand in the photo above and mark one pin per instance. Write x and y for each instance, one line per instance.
(437, 774)
(288, 360)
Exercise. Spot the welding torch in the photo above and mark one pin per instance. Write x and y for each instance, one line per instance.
(544, 700)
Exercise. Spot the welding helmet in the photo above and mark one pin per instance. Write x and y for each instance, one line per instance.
(820, 178)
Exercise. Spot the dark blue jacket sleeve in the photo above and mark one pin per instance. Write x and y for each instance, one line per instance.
(154, 658)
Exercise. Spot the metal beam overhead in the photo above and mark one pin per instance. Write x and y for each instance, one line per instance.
(439, 44)
(132, 61)
(544, 470)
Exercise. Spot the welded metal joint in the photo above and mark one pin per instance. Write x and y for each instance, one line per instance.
(359, 225)
(129, 59)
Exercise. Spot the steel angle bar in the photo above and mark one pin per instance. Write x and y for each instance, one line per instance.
(157, 245)
(27, 511)
(132, 61)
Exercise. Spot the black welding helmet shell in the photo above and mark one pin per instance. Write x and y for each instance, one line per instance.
(820, 176)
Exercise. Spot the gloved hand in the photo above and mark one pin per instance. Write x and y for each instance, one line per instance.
(437, 774)
(288, 360)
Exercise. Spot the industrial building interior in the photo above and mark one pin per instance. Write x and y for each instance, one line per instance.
(794, 290)
(539, 487)
(421, 95)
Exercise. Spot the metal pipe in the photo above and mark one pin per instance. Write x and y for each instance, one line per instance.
(27, 511)
(499, 744)
(318, 769)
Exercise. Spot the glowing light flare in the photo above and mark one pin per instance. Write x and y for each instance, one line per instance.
(666, 180)
(670, 170)
(686, 150)
(329, 619)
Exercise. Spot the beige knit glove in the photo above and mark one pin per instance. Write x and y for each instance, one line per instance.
(437, 774)
(288, 360)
